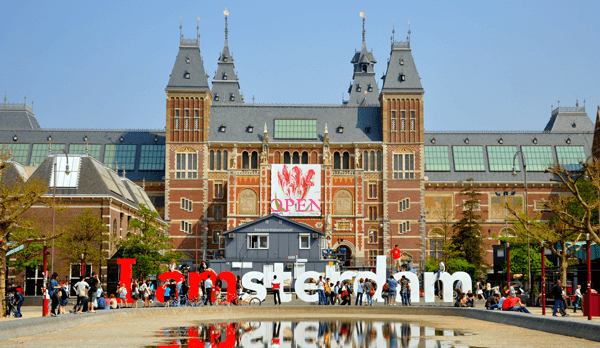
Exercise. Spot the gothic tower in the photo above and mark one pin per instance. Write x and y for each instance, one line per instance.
(363, 90)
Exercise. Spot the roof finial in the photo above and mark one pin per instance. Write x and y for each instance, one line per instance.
(253, 102)
(25, 100)
(265, 131)
(326, 131)
(408, 37)
(362, 14)
(124, 172)
(198, 28)
(558, 104)
(144, 184)
(584, 104)
(31, 104)
(180, 27)
(226, 13)
(5, 96)
(577, 101)
(393, 29)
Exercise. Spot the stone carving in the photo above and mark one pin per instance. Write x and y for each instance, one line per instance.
(343, 202)
(248, 202)
(326, 155)
(357, 158)
(233, 160)
(264, 155)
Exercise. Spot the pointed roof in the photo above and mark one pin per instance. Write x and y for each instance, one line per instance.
(188, 71)
(275, 217)
(17, 116)
(401, 74)
(363, 90)
(225, 85)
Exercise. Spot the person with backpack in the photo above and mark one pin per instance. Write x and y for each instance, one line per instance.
(63, 297)
(122, 292)
(368, 292)
(345, 295)
(385, 290)
(92, 294)
(81, 289)
(557, 293)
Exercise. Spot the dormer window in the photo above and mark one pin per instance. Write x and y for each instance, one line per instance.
(224, 58)
(358, 88)
(224, 76)
(222, 128)
(402, 77)
(217, 97)
(186, 75)
(188, 59)
(340, 129)
(368, 130)
(370, 88)
(232, 97)
(401, 61)
(364, 68)
(250, 129)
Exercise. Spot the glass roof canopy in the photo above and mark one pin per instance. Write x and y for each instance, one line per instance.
(472, 158)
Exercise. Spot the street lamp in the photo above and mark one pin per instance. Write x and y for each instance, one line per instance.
(506, 194)
(67, 172)
(514, 173)
(589, 276)
(543, 279)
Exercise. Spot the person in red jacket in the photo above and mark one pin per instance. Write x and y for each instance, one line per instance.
(396, 258)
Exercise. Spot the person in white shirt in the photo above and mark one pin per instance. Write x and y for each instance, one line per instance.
(578, 298)
(81, 289)
(437, 278)
(321, 291)
(208, 285)
(173, 266)
(276, 289)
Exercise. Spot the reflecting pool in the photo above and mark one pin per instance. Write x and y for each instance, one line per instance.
(287, 334)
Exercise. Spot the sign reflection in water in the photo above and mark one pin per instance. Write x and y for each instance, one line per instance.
(307, 334)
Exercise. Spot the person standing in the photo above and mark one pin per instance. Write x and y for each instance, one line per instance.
(53, 292)
(327, 291)
(276, 288)
(208, 285)
(578, 299)
(393, 283)
(396, 258)
(368, 288)
(557, 293)
(122, 292)
(404, 291)
(338, 291)
(458, 288)
(92, 294)
(360, 290)
(81, 288)
(321, 291)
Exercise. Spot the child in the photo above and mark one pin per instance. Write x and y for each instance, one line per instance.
(167, 296)
(113, 302)
(18, 300)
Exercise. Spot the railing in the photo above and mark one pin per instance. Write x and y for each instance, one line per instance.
(248, 172)
(569, 109)
(400, 44)
(343, 172)
(16, 106)
(189, 42)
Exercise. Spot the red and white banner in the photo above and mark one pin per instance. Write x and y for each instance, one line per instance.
(296, 189)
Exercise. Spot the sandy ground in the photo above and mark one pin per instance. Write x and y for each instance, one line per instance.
(141, 330)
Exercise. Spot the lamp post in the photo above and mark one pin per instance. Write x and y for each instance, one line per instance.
(514, 173)
(543, 279)
(589, 276)
(506, 194)
(82, 266)
(54, 204)
(45, 300)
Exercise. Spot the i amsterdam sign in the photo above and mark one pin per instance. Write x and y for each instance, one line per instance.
(300, 285)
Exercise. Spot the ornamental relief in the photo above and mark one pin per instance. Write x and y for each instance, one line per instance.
(248, 200)
(342, 203)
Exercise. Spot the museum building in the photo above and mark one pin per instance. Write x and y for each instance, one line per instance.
(378, 178)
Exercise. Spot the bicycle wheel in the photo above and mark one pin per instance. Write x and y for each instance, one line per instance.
(254, 302)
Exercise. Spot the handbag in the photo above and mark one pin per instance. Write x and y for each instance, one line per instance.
(372, 293)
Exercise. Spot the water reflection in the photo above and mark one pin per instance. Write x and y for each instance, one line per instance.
(285, 334)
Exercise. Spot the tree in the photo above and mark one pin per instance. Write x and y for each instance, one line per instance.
(30, 256)
(83, 236)
(444, 213)
(16, 197)
(518, 259)
(151, 246)
(467, 239)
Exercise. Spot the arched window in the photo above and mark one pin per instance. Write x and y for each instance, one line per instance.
(254, 162)
(379, 161)
(212, 160)
(245, 160)
(305, 157)
(365, 160)
(276, 157)
(286, 158)
(336, 160)
(296, 158)
(346, 160)
(373, 234)
(372, 161)
(225, 160)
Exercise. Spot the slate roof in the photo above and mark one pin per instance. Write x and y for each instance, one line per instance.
(237, 118)
(189, 61)
(401, 52)
(274, 216)
(95, 179)
(225, 82)
(95, 137)
(363, 90)
(569, 120)
(17, 116)
(508, 138)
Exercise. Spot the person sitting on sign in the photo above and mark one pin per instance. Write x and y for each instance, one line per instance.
(173, 266)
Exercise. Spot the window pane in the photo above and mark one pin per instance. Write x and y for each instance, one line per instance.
(538, 158)
(295, 129)
(468, 158)
(152, 157)
(124, 155)
(19, 152)
(500, 158)
(570, 156)
(92, 150)
(437, 158)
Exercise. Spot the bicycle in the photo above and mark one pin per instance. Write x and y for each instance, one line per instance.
(245, 299)
(197, 302)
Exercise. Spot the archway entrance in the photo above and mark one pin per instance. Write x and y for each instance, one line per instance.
(345, 255)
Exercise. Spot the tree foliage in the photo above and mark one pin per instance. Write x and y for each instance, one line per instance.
(518, 259)
(147, 243)
(467, 238)
(444, 214)
(83, 236)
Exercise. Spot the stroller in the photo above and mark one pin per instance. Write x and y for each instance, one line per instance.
(11, 308)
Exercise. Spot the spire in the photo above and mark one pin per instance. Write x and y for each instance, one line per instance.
(5, 96)
(408, 37)
(180, 28)
(401, 74)
(363, 90)
(226, 88)
(265, 131)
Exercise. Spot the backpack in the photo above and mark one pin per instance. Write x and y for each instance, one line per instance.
(63, 294)
(374, 286)
(340, 290)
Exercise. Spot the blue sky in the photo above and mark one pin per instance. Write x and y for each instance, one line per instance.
(485, 65)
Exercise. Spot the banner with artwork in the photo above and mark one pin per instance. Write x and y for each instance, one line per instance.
(296, 189)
